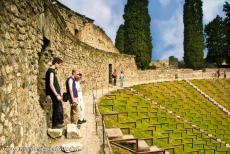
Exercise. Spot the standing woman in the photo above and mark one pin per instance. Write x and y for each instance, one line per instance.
(122, 79)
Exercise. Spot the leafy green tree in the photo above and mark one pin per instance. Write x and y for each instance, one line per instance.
(227, 24)
(119, 41)
(216, 41)
(193, 34)
(137, 32)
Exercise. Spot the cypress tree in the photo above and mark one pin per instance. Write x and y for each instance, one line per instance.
(119, 41)
(193, 34)
(227, 25)
(216, 41)
(137, 32)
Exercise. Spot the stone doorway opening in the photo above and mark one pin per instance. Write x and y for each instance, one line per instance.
(110, 73)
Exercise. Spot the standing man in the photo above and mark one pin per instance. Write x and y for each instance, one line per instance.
(53, 90)
(73, 96)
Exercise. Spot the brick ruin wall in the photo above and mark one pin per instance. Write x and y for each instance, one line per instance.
(84, 29)
(32, 33)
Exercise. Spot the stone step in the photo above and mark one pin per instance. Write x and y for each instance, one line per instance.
(155, 149)
(72, 131)
(124, 137)
(71, 147)
(143, 146)
(114, 133)
(55, 133)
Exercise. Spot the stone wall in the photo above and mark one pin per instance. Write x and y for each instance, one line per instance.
(178, 74)
(22, 120)
(96, 37)
(74, 20)
(84, 29)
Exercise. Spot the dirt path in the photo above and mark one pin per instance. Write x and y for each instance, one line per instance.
(90, 140)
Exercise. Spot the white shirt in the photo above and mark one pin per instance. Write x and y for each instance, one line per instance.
(79, 90)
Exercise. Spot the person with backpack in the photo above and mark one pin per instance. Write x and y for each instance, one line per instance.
(73, 96)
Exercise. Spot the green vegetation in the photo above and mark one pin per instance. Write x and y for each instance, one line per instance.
(193, 34)
(124, 109)
(119, 41)
(227, 25)
(216, 41)
(218, 89)
(137, 35)
(186, 102)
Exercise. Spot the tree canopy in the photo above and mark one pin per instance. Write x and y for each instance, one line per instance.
(136, 32)
(193, 34)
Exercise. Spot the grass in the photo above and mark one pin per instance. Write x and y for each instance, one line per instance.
(182, 99)
(218, 89)
(152, 121)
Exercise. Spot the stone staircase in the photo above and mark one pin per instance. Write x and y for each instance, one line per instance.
(114, 134)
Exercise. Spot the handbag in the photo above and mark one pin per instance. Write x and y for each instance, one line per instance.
(65, 96)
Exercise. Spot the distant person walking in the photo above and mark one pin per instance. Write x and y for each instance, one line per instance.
(218, 73)
(122, 77)
(53, 90)
(114, 76)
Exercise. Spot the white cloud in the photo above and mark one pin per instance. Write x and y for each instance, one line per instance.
(106, 14)
(211, 8)
(171, 36)
(164, 2)
(171, 31)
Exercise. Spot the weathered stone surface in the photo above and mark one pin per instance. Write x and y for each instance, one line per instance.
(143, 146)
(71, 147)
(55, 133)
(73, 131)
(1, 128)
(114, 133)
(1, 81)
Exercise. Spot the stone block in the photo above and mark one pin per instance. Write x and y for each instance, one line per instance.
(71, 147)
(124, 137)
(55, 133)
(114, 133)
(73, 131)
(143, 146)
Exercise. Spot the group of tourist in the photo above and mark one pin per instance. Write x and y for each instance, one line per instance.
(74, 94)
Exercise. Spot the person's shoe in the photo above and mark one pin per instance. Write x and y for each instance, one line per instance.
(59, 126)
(81, 121)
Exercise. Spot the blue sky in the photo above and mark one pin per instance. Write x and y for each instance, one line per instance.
(166, 20)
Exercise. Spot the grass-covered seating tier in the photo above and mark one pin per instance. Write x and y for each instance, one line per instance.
(218, 89)
(186, 102)
(138, 116)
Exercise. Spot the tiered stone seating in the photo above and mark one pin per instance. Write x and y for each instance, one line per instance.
(158, 126)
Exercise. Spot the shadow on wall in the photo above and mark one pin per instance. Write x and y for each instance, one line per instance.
(44, 57)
